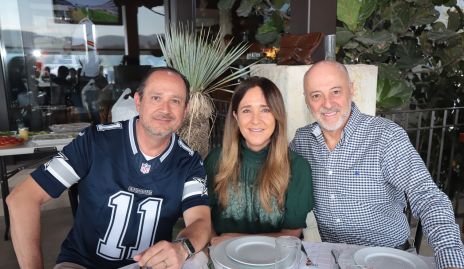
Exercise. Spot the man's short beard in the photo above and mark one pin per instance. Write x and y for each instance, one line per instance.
(339, 124)
(153, 132)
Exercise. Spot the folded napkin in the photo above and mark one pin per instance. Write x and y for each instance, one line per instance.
(311, 232)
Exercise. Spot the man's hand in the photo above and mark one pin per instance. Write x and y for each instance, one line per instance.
(162, 255)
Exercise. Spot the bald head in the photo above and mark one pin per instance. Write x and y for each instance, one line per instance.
(324, 67)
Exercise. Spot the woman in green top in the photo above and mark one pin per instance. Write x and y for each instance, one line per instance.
(256, 184)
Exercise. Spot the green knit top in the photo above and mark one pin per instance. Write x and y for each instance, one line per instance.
(244, 212)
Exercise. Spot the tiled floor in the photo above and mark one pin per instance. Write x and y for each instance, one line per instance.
(56, 222)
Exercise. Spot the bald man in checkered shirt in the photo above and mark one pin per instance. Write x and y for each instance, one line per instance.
(365, 170)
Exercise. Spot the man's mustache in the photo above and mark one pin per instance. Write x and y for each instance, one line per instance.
(329, 110)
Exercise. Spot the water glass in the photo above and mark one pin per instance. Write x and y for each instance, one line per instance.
(287, 252)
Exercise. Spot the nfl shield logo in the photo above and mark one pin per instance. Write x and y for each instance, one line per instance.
(145, 168)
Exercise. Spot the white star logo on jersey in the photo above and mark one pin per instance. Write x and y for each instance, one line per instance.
(145, 168)
(203, 182)
(60, 155)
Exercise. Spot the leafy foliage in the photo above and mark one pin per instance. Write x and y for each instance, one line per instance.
(273, 13)
(417, 55)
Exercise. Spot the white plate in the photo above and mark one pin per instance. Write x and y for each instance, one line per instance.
(222, 261)
(387, 258)
(252, 250)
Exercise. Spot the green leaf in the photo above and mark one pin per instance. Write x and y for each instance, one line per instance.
(354, 12)
(454, 20)
(367, 8)
(343, 36)
(266, 28)
(409, 54)
(374, 38)
(347, 12)
(351, 45)
(425, 44)
(451, 55)
(277, 21)
(392, 90)
(399, 15)
(438, 26)
(424, 15)
(441, 36)
(279, 3)
(246, 6)
(268, 38)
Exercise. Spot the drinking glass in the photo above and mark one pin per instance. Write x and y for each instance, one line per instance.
(287, 252)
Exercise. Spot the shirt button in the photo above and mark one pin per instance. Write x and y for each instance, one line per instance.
(330, 172)
(337, 220)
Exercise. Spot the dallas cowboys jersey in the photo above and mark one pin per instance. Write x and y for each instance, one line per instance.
(126, 203)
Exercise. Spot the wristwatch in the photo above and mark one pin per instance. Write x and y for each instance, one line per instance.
(187, 246)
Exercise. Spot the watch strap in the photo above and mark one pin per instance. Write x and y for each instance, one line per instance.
(188, 246)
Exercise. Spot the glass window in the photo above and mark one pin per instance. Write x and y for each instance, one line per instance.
(59, 64)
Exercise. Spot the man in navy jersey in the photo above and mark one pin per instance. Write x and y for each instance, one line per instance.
(136, 178)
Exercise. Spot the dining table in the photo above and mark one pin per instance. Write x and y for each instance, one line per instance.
(320, 254)
(29, 147)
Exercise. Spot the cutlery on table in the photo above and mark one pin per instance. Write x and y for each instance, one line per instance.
(336, 254)
(308, 260)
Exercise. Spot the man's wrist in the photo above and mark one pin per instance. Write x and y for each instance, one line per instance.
(187, 247)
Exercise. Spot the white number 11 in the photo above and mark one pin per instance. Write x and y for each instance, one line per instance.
(110, 247)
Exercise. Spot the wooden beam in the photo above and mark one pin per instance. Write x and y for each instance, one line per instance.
(131, 33)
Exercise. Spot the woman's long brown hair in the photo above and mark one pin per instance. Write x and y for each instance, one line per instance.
(274, 175)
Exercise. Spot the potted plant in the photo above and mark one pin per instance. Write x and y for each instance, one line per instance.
(206, 60)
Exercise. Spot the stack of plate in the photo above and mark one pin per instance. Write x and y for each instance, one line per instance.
(248, 252)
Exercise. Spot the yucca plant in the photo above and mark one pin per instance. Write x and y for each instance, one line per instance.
(206, 60)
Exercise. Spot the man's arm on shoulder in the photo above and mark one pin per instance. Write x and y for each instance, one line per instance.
(24, 206)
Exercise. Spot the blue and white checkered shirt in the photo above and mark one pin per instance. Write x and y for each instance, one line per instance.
(361, 187)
